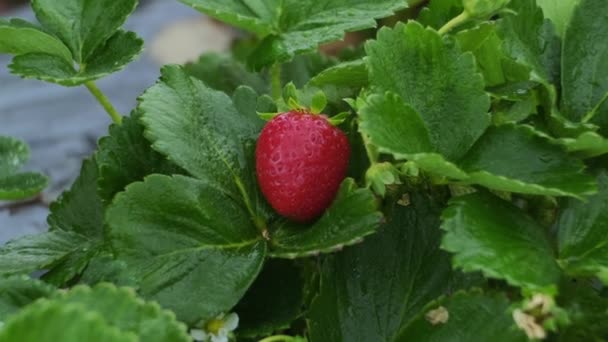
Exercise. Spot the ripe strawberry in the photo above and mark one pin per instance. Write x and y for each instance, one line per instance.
(301, 159)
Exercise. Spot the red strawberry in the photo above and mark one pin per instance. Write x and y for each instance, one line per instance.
(301, 159)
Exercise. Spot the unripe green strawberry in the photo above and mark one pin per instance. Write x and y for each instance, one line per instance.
(301, 159)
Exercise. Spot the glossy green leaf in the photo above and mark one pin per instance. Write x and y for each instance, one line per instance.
(436, 80)
(121, 49)
(19, 291)
(17, 39)
(51, 321)
(471, 316)
(126, 156)
(83, 25)
(394, 126)
(531, 40)
(493, 236)
(352, 216)
(182, 236)
(275, 299)
(585, 63)
(543, 167)
(583, 228)
(202, 131)
(370, 290)
(120, 308)
(13, 184)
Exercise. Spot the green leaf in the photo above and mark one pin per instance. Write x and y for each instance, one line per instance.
(583, 228)
(483, 41)
(222, 72)
(15, 185)
(182, 236)
(586, 145)
(83, 25)
(125, 156)
(36, 252)
(531, 40)
(202, 131)
(585, 62)
(347, 74)
(543, 167)
(258, 16)
(275, 299)
(394, 126)
(471, 316)
(559, 12)
(17, 39)
(436, 80)
(51, 321)
(351, 217)
(120, 308)
(493, 236)
(78, 211)
(19, 291)
(370, 290)
(121, 49)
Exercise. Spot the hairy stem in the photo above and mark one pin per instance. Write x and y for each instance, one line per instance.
(104, 101)
(275, 79)
(595, 109)
(277, 338)
(371, 150)
(455, 22)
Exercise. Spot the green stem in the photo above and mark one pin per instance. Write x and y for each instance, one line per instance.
(259, 222)
(371, 150)
(277, 338)
(275, 79)
(595, 109)
(456, 21)
(104, 101)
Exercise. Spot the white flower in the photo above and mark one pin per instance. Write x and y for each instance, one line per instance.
(217, 329)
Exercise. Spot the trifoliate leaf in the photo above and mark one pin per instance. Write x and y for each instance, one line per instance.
(83, 25)
(293, 27)
(584, 63)
(352, 216)
(583, 227)
(51, 321)
(126, 156)
(14, 184)
(370, 290)
(493, 236)
(531, 40)
(275, 299)
(438, 81)
(471, 316)
(19, 291)
(182, 236)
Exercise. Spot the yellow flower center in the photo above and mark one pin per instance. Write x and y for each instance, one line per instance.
(214, 326)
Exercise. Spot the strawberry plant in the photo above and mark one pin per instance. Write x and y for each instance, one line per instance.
(454, 189)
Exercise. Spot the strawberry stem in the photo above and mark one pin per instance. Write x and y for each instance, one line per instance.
(104, 101)
(455, 22)
(258, 221)
(275, 79)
